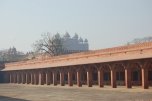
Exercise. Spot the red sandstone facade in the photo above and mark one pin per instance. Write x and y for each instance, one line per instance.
(125, 65)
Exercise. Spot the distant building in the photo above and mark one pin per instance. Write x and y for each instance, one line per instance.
(74, 44)
(10, 55)
(141, 40)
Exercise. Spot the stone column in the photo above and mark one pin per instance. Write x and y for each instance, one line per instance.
(23, 78)
(79, 81)
(41, 78)
(51, 77)
(145, 78)
(48, 78)
(70, 82)
(10, 77)
(15, 77)
(27, 78)
(32, 77)
(62, 83)
(128, 77)
(54, 78)
(89, 77)
(18, 78)
(36, 77)
(100, 77)
(113, 78)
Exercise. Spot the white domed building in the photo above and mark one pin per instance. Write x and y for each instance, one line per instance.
(74, 44)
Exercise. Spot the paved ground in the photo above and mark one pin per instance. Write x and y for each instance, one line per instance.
(13, 92)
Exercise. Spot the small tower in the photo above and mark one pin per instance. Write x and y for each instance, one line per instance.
(66, 36)
(76, 36)
(80, 40)
(85, 41)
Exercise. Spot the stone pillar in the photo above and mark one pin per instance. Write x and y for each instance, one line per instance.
(70, 82)
(89, 77)
(100, 78)
(15, 77)
(32, 77)
(145, 78)
(8, 76)
(41, 78)
(11, 77)
(48, 78)
(79, 82)
(128, 77)
(54, 78)
(113, 78)
(36, 77)
(51, 77)
(62, 83)
(18, 78)
(23, 78)
(27, 78)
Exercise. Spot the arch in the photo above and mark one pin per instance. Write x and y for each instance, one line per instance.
(74, 75)
(84, 75)
(149, 67)
(120, 73)
(106, 74)
(58, 77)
(136, 76)
(95, 74)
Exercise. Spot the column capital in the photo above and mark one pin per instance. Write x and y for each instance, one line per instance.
(112, 66)
(145, 64)
(79, 69)
(100, 68)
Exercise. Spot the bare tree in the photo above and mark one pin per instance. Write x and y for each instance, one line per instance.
(51, 45)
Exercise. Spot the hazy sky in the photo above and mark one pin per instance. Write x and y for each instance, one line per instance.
(105, 23)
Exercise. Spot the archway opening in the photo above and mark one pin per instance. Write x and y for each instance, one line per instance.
(95, 75)
(106, 75)
(84, 77)
(136, 75)
(150, 74)
(120, 74)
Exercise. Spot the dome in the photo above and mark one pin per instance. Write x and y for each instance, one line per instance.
(67, 35)
(86, 41)
(57, 35)
(81, 40)
(75, 36)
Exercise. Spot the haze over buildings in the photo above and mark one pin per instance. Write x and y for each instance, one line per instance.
(75, 43)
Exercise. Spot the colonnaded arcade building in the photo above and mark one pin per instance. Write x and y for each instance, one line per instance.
(129, 65)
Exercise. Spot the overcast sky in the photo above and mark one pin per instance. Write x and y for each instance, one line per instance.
(105, 23)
